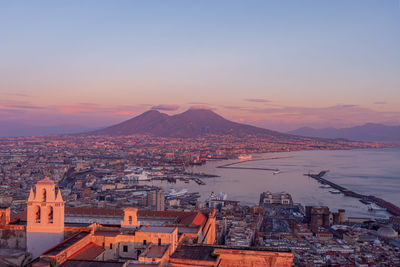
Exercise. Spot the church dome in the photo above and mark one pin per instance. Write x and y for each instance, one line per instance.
(387, 231)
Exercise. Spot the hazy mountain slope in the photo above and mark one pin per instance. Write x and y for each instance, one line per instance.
(366, 132)
(191, 123)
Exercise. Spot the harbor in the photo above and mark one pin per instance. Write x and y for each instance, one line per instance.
(365, 199)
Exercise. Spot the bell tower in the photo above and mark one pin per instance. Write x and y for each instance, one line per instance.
(45, 217)
(130, 218)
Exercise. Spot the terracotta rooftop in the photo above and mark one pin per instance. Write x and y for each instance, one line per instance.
(94, 211)
(156, 229)
(83, 263)
(89, 252)
(186, 218)
(183, 229)
(182, 217)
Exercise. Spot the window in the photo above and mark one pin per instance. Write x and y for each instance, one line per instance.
(125, 248)
(51, 215)
(144, 242)
(159, 241)
(103, 244)
(130, 219)
(110, 245)
(138, 253)
(37, 215)
(44, 195)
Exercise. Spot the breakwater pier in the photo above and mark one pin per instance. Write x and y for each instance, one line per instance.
(231, 165)
(390, 207)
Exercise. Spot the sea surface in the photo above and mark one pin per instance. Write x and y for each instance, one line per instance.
(366, 171)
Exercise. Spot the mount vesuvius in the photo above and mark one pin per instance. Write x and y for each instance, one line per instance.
(189, 124)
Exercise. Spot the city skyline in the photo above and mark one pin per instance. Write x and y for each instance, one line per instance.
(278, 66)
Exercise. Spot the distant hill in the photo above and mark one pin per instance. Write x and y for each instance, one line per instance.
(15, 128)
(366, 132)
(191, 123)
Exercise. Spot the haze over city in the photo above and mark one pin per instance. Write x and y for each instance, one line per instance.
(81, 66)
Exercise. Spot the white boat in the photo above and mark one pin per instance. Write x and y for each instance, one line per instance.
(276, 172)
(334, 191)
(137, 177)
(172, 193)
(375, 208)
(324, 186)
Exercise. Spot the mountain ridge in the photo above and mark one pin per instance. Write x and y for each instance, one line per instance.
(367, 132)
(191, 123)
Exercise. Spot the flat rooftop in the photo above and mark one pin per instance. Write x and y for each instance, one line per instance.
(106, 233)
(200, 253)
(155, 251)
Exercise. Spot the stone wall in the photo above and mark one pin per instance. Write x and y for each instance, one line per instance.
(252, 258)
(12, 238)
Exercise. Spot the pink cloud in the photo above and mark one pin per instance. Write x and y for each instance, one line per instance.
(258, 100)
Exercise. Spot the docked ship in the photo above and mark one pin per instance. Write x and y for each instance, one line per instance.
(173, 193)
(214, 199)
(220, 196)
(375, 208)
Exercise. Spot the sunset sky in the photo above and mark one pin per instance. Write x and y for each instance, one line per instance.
(276, 64)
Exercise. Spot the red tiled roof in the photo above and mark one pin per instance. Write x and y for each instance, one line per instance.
(199, 219)
(94, 211)
(89, 252)
(183, 217)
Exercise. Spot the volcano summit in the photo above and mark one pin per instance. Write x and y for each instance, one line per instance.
(189, 124)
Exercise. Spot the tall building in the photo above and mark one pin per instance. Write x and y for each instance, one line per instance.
(156, 200)
(160, 199)
(45, 217)
(323, 217)
(151, 199)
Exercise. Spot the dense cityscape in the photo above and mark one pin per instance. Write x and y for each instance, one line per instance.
(105, 173)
